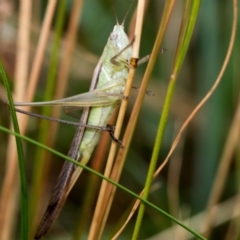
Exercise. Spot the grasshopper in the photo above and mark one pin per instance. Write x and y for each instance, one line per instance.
(105, 94)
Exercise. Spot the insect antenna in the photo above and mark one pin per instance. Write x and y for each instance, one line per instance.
(114, 11)
(127, 13)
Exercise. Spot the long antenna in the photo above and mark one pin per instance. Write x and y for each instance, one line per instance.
(127, 13)
(115, 13)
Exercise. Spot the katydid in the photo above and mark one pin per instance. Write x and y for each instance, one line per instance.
(105, 94)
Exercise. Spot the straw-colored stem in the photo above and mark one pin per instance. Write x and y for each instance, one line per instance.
(10, 189)
(40, 167)
(188, 22)
(221, 175)
(225, 160)
(101, 210)
(38, 60)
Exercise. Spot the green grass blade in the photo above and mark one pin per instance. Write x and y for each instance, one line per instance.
(189, 19)
(64, 157)
(23, 181)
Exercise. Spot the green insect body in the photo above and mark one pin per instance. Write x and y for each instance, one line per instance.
(106, 92)
(112, 79)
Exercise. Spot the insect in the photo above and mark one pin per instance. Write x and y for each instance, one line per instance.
(105, 94)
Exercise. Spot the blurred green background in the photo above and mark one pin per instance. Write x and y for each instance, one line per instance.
(201, 146)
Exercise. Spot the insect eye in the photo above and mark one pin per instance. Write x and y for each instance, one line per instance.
(113, 36)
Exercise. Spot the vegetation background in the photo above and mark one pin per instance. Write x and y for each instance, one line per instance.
(184, 186)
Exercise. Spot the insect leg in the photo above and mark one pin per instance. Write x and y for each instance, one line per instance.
(108, 128)
(115, 139)
(146, 58)
(113, 59)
